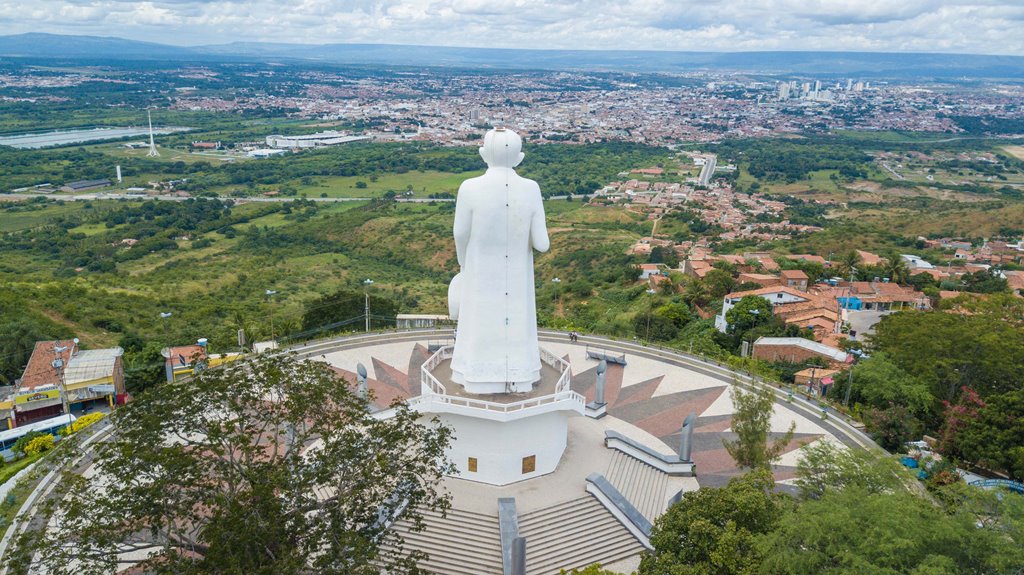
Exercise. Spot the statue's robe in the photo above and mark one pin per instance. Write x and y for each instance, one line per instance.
(499, 221)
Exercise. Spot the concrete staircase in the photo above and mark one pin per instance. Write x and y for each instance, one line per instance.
(642, 485)
(463, 543)
(574, 534)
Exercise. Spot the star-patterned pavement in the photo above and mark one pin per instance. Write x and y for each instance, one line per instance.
(651, 395)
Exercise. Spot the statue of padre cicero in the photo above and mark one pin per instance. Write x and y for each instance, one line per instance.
(499, 221)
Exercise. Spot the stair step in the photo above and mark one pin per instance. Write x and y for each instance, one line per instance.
(610, 552)
(462, 543)
(573, 535)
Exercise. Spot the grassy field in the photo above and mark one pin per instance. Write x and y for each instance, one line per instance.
(1015, 151)
(13, 219)
(421, 184)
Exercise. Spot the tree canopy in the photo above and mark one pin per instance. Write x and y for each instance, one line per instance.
(712, 531)
(271, 466)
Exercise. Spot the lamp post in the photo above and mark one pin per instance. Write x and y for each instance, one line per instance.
(270, 297)
(166, 316)
(366, 293)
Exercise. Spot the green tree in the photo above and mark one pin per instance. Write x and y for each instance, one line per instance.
(677, 313)
(714, 530)
(695, 292)
(144, 368)
(718, 283)
(749, 312)
(853, 531)
(896, 268)
(825, 467)
(994, 438)
(271, 466)
(653, 327)
(983, 350)
(752, 425)
(892, 426)
(879, 382)
(846, 263)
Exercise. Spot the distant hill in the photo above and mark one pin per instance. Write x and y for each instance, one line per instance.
(35, 45)
(875, 65)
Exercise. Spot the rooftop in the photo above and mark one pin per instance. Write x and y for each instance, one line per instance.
(819, 348)
(90, 364)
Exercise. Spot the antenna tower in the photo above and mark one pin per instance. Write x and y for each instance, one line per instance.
(152, 145)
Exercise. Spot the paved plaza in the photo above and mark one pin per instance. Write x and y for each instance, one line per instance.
(648, 399)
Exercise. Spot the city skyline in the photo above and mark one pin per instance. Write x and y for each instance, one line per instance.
(954, 26)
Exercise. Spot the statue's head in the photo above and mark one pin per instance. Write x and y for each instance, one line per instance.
(502, 148)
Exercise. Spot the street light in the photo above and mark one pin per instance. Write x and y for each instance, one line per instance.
(270, 293)
(165, 315)
(366, 292)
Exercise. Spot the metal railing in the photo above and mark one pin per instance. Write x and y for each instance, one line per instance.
(429, 383)
(561, 366)
(433, 390)
(507, 407)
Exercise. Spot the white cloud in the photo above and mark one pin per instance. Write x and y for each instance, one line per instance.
(972, 26)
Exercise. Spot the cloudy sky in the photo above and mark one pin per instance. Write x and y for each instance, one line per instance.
(968, 26)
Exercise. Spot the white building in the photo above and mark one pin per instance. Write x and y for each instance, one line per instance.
(776, 295)
(319, 139)
(915, 262)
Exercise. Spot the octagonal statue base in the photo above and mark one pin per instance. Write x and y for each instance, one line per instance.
(502, 437)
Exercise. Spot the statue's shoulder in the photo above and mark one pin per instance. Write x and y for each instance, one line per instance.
(472, 184)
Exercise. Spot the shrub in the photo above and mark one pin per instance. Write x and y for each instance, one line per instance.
(82, 423)
(19, 446)
(39, 445)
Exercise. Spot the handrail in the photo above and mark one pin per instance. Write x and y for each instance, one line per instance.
(559, 364)
(507, 407)
(430, 385)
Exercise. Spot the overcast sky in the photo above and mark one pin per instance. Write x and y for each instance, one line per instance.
(968, 26)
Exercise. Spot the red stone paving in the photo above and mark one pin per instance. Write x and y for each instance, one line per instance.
(639, 391)
(664, 414)
(717, 461)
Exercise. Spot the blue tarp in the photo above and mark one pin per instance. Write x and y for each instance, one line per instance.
(853, 303)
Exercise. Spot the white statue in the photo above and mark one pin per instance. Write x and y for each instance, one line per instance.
(499, 221)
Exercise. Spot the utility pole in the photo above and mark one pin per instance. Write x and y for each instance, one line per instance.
(366, 292)
(59, 367)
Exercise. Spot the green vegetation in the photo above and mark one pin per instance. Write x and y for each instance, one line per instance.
(752, 423)
(252, 500)
(855, 514)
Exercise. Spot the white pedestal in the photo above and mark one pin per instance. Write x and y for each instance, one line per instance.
(502, 449)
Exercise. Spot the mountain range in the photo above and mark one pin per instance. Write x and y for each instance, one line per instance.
(874, 64)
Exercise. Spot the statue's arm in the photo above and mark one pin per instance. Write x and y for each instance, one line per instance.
(463, 224)
(538, 227)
